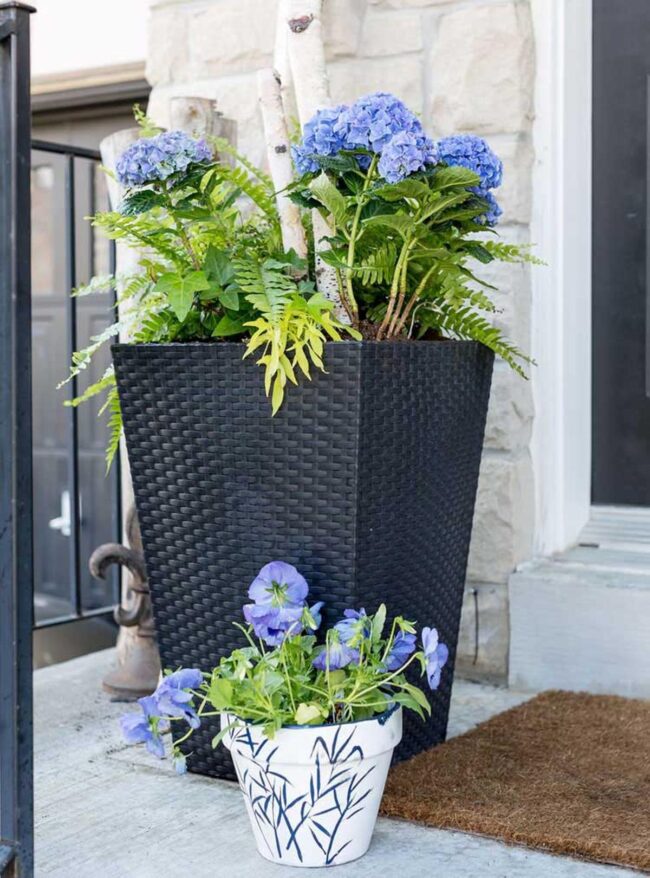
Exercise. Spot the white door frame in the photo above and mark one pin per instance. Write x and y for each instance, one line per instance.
(561, 230)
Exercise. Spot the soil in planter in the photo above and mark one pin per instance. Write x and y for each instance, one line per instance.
(566, 772)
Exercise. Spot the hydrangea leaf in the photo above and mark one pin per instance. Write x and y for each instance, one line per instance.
(329, 196)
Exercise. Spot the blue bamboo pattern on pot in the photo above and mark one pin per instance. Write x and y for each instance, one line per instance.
(284, 815)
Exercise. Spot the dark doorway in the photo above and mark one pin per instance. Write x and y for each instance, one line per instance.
(67, 454)
(621, 287)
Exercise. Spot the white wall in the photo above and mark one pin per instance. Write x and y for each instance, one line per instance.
(70, 35)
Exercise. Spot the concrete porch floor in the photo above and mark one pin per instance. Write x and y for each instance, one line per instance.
(105, 810)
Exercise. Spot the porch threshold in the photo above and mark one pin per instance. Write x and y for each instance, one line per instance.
(581, 621)
(106, 810)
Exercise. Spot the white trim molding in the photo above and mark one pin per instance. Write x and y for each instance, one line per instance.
(561, 312)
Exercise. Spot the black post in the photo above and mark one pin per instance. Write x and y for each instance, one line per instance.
(16, 566)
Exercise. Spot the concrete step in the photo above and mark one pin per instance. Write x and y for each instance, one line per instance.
(581, 621)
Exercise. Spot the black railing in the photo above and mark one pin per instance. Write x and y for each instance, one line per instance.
(16, 559)
(77, 565)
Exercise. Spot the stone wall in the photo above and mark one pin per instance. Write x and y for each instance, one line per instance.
(466, 66)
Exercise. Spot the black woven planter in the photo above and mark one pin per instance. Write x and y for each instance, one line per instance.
(365, 480)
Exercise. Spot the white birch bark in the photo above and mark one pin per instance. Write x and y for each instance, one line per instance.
(311, 85)
(278, 154)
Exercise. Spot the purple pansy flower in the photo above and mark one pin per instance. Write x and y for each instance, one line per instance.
(172, 696)
(145, 727)
(156, 158)
(354, 627)
(402, 648)
(315, 615)
(278, 584)
(279, 593)
(335, 655)
(436, 655)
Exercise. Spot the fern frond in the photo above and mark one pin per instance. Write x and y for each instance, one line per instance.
(114, 426)
(239, 178)
(465, 323)
(82, 358)
(97, 284)
(224, 146)
(516, 253)
(105, 382)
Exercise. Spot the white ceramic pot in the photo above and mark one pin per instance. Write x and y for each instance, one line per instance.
(313, 792)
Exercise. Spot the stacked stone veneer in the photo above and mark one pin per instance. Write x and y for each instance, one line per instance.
(465, 65)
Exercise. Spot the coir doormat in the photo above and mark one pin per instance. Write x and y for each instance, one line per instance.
(564, 772)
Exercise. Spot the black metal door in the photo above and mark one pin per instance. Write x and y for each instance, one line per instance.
(621, 264)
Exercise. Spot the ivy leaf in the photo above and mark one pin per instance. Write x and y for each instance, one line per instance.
(229, 326)
(478, 251)
(180, 290)
(140, 202)
(218, 267)
(329, 196)
(229, 297)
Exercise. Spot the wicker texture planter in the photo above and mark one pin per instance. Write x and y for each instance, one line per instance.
(365, 480)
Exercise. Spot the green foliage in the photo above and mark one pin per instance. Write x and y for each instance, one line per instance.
(281, 686)
(211, 267)
(408, 253)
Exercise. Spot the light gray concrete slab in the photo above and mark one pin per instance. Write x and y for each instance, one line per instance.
(104, 810)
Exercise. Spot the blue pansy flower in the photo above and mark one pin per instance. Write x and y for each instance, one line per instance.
(354, 627)
(472, 152)
(145, 727)
(315, 616)
(402, 648)
(279, 593)
(436, 655)
(335, 654)
(172, 696)
(156, 158)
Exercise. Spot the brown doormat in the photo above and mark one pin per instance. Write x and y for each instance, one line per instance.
(564, 772)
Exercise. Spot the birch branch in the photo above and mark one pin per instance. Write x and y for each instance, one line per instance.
(278, 154)
(311, 85)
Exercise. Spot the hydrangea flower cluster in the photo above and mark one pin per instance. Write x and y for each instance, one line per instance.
(151, 159)
(279, 607)
(472, 152)
(379, 123)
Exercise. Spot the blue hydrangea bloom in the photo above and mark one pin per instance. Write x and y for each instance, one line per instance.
(354, 627)
(372, 121)
(404, 154)
(436, 655)
(157, 158)
(403, 647)
(174, 699)
(180, 763)
(378, 123)
(319, 138)
(492, 214)
(335, 655)
(137, 728)
(473, 152)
